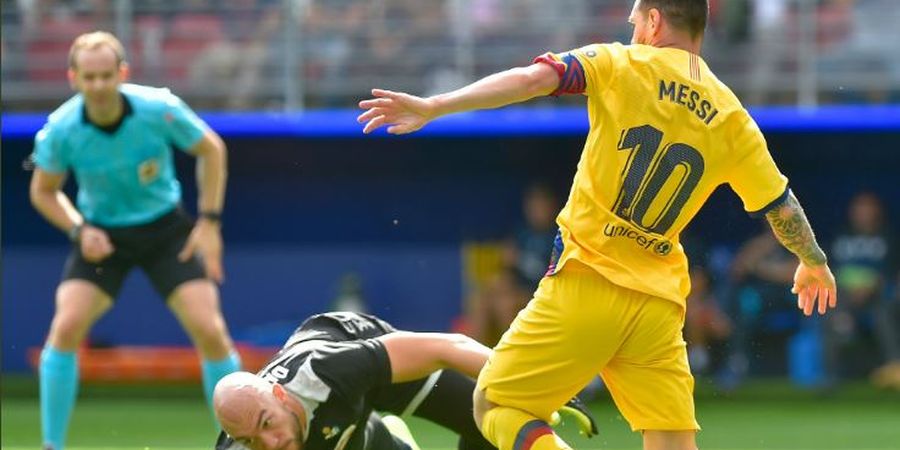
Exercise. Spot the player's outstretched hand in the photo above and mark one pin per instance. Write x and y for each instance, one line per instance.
(95, 244)
(811, 283)
(576, 409)
(403, 113)
(206, 239)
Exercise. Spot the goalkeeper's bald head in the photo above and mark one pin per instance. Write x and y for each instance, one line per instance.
(257, 414)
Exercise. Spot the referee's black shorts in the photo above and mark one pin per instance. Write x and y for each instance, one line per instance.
(153, 247)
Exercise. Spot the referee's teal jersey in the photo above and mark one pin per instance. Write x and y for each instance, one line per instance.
(125, 174)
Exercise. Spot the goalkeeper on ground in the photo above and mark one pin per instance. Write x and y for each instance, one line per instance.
(321, 390)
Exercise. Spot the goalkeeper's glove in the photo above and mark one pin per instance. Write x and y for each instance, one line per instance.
(574, 408)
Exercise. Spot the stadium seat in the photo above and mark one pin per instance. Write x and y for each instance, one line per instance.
(47, 52)
(188, 36)
(145, 49)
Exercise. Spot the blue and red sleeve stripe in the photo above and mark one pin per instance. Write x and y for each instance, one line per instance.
(570, 71)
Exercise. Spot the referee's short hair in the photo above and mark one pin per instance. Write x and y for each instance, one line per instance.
(686, 15)
(95, 40)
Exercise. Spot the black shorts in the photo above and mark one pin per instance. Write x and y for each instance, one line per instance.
(154, 247)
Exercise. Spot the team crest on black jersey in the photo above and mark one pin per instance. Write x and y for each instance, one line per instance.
(330, 432)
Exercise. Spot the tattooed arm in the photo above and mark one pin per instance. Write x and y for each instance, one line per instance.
(813, 278)
(794, 232)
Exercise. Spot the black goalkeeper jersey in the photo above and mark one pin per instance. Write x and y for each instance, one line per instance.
(339, 327)
(338, 372)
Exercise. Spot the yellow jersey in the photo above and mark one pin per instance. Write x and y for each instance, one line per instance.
(664, 133)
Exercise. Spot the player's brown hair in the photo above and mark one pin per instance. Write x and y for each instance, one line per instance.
(94, 40)
(686, 15)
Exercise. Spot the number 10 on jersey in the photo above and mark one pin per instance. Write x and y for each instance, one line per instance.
(647, 170)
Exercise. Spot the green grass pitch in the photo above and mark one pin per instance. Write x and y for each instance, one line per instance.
(766, 415)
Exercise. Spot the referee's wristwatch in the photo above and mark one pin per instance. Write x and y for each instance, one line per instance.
(75, 232)
(211, 216)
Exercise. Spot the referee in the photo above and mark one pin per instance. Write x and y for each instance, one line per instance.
(117, 140)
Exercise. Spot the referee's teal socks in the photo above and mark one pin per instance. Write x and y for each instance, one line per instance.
(59, 387)
(213, 371)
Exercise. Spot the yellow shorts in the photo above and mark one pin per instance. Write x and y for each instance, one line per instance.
(579, 325)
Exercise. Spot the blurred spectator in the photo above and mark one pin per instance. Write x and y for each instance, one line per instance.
(502, 39)
(770, 49)
(434, 46)
(259, 57)
(433, 51)
(865, 263)
(734, 17)
(5, 58)
(59, 16)
(196, 52)
(389, 50)
(331, 30)
(706, 327)
(100, 13)
(492, 307)
(556, 23)
(602, 22)
(758, 296)
(213, 73)
(48, 28)
(528, 251)
(247, 70)
(862, 53)
(526, 255)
